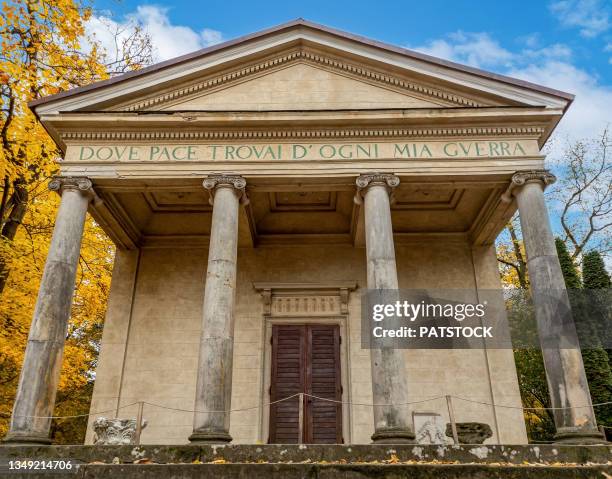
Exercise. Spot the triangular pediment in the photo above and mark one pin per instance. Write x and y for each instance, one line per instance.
(302, 87)
(300, 79)
(302, 66)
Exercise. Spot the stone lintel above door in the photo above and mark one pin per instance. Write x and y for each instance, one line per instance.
(305, 299)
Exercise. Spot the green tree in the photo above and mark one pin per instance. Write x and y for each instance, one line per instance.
(530, 367)
(568, 268)
(594, 274)
(597, 284)
(595, 358)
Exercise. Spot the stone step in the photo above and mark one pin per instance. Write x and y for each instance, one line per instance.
(323, 471)
(282, 453)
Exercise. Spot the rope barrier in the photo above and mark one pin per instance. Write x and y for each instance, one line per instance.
(373, 405)
(322, 399)
(224, 410)
(533, 408)
(78, 415)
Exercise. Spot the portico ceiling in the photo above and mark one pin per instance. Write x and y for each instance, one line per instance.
(308, 213)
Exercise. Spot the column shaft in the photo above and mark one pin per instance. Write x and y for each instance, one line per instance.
(214, 382)
(40, 373)
(565, 374)
(389, 382)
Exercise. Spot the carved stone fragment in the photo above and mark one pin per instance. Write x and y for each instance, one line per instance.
(471, 432)
(115, 431)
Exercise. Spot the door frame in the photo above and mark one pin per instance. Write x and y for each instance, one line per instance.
(342, 322)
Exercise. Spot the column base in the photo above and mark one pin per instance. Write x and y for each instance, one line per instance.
(577, 436)
(393, 436)
(12, 439)
(210, 437)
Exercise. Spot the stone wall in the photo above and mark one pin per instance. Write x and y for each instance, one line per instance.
(158, 317)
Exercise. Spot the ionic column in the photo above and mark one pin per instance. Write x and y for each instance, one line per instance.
(214, 383)
(42, 363)
(389, 382)
(567, 383)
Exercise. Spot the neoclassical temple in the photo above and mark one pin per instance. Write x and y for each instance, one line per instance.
(254, 190)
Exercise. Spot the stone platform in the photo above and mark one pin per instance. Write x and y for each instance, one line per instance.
(317, 461)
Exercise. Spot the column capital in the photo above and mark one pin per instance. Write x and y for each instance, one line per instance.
(365, 181)
(521, 178)
(224, 180)
(81, 184)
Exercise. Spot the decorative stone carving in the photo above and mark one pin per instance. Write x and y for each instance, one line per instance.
(310, 133)
(305, 305)
(212, 182)
(342, 66)
(115, 431)
(429, 428)
(470, 432)
(521, 178)
(80, 183)
(310, 299)
(365, 181)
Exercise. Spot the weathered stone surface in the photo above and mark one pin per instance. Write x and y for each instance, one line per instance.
(392, 424)
(567, 384)
(332, 471)
(115, 431)
(429, 428)
(470, 432)
(276, 453)
(35, 400)
(214, 383)
(165, 337)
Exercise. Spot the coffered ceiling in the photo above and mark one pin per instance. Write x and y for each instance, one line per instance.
(155, 215)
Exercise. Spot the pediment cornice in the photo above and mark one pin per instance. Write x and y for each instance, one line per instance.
(444, 97)
(342, 133)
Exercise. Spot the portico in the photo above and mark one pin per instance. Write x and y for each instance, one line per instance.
(253, 190)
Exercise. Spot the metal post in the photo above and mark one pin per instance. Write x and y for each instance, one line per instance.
(139, 422)
(301, 419)
(451, 415)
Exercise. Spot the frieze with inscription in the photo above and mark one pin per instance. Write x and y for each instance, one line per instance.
(303, 151)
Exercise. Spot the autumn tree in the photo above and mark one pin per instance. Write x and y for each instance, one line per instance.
(43, 52)
(583, 195)
(582, 198)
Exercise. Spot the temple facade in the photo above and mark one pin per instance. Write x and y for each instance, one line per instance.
(254, 190)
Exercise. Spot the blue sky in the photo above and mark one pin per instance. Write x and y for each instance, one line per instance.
(583, 26)
(565, 44)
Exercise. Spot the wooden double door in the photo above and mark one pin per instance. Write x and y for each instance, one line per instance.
(306, 359)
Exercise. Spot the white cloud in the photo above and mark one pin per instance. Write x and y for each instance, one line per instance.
(211, 37)
(608, 48)
(474, 49)
(548, 65)
(592, 17)
(531, 40)
(168, 40)
(591, 111)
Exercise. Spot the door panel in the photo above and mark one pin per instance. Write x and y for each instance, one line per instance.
(323, 418)
(306, 358)
(288, 378)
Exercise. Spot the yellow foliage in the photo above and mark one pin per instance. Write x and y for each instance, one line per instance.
(41, 55)
(509, 275)
(26, 258)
